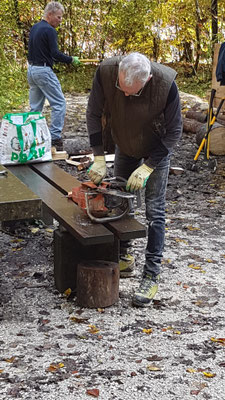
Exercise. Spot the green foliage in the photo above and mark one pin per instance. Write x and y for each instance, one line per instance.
(197, 85)
(165, 30)
(76, 80)
(14, 88)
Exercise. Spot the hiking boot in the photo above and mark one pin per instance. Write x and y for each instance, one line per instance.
(58, 144)
(146, 292)
(126, 265)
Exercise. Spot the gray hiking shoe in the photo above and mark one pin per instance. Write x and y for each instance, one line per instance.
(147, 291)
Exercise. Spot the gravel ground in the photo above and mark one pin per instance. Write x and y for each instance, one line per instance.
(51, 348)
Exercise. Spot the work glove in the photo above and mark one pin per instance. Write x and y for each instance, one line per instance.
(138, 178)
(97, 170)
(76, 60)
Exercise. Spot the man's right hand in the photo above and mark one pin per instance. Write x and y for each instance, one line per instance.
(97, 170)
(76, 60)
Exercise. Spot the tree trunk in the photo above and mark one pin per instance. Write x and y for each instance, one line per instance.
(214, 14)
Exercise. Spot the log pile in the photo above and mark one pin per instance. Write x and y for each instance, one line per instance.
(196, 122)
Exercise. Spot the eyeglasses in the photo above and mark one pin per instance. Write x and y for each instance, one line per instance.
(133, 94)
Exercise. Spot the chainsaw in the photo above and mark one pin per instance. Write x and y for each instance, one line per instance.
(106, 202)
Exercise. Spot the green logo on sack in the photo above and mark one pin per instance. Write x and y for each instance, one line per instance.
(23, 157)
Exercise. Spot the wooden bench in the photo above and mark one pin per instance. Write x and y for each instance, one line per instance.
(77, 238)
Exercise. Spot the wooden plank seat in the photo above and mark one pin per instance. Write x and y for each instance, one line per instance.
(77, 238)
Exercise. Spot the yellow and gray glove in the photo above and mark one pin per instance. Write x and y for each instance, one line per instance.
(75, 60)
(138, 178)
(97, 170)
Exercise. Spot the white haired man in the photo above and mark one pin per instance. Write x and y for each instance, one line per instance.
(42, 53)
(143, 101)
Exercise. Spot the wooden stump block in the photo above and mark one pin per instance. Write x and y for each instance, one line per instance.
(97, 283)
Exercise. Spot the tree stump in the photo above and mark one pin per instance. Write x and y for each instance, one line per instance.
(217, 138)
(97, 283)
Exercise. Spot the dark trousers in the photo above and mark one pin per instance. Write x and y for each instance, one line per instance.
(155, 193)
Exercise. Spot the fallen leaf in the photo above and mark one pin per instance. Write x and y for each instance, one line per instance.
(153, 368)
(101, 310)
(218, 340)
(1, 371)
(93, 329)
(192, 228)
(185, 286)
(154, 358)
(78, 320)
(177, 332)
(148, 331)
(194, 266)
(49, 230)
(10, 360)
(93, 392)
(208, 374)
(17, 248)
(191, 370)
(195, 392)
(67, 292)
(55, 367)
(181, 240)
(35, 230)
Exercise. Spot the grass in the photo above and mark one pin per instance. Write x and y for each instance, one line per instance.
(15, 91)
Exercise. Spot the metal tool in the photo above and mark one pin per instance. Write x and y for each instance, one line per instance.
(106, 202)
(88, 60)
(207, 162)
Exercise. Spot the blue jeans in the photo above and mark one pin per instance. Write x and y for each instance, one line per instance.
(44, 84)
(155, 193)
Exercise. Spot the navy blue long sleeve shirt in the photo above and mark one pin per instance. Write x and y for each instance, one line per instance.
(43, 45)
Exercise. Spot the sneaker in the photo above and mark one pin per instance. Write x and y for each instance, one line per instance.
(146, 292)
(58, 144)
(126, 264)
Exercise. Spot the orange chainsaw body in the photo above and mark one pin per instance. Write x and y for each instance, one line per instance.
(96, 202)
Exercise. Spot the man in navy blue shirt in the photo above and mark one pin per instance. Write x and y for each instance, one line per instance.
(42, 53)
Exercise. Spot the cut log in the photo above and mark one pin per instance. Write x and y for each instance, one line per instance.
(198, 116)
(97, 284)
(191, 125)
(217, 138)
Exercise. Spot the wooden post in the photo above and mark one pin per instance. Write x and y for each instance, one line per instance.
(97, 284)
(68, 252)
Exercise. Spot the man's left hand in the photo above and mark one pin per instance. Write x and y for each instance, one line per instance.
(138, 178)
(76, 60)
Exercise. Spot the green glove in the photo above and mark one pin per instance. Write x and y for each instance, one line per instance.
(138, 178)
(97, 170)
(76, 60)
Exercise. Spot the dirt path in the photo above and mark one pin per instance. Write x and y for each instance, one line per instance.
(46, 355)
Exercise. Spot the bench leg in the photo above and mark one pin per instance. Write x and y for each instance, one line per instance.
(68, 252)
(45, 216)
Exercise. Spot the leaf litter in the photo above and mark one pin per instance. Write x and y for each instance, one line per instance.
(121, 352)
